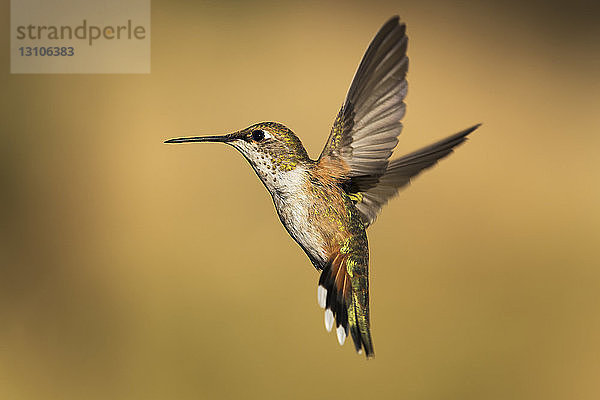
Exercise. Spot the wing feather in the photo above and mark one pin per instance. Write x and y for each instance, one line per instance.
(365, 131)
(377, 191)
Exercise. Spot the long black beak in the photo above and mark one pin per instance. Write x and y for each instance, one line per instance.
(216, 139)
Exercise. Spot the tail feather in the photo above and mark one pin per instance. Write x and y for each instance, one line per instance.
(360, 330)
(347, 299)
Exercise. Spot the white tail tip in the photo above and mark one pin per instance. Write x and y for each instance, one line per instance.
(341, 334)
(328, 320)
(321, 296)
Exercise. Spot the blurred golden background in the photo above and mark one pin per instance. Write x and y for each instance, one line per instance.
(131, 269)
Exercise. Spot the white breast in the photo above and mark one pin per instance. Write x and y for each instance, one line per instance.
(293, 205)
(288, 189)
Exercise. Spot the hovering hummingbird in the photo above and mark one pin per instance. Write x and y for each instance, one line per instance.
(327, 204)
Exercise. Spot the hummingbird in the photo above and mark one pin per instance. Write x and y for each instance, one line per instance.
(327, 204)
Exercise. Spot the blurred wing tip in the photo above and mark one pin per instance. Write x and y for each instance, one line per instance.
(394, 19)
(471, 129)
(462, 135)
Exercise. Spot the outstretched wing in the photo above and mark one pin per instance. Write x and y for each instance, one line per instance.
(372, 193)
(344, 293)
(365, 131)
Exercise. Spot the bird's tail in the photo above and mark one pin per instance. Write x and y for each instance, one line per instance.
(358, 321)
(344, 293)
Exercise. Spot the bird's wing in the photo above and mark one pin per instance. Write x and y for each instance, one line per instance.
(344, 293)
(371, 193)
(366, 129)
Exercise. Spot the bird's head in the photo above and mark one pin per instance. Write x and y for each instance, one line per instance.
(271, 148)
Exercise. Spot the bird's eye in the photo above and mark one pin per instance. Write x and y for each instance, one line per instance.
(259, 135)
